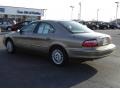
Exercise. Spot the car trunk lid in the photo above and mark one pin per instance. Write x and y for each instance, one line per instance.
(102, 39)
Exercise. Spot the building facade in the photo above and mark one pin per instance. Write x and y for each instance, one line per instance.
(20, 14)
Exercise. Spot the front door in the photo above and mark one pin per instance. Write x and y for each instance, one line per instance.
(25, 37)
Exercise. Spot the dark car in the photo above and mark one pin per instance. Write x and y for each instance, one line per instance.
(100, 24)
(114, 26)
(92, 25)
(6, 24)
(83, 22)
(60, 40)
(19, 25)
(89, 24)
(103, 25)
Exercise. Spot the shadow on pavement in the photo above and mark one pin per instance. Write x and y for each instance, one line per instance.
(28, 70)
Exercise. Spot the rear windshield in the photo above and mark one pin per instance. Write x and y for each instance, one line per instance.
(75, 27)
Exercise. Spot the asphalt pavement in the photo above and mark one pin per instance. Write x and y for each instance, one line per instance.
(26, 69)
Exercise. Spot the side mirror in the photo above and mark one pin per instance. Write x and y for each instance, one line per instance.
(20, 31)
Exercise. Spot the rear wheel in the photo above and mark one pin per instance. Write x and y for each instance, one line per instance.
(105, 28)
(58, 56)
(10, 46)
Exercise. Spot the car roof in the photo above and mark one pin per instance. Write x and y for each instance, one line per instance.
(50, 20)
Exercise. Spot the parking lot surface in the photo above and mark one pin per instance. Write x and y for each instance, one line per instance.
(24, 69)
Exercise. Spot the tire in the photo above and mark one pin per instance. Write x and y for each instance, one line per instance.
(58, 56)
(105, 28)
(10, 46)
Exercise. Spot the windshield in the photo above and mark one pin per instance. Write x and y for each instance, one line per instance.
(75, 27)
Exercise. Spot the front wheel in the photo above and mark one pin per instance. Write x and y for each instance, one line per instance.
(58, 56)
(10, 46)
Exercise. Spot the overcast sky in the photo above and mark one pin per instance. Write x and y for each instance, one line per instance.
(60, 9)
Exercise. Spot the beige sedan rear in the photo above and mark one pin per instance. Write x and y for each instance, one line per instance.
(61, 40)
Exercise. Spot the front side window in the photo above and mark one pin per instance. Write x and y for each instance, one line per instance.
(30, 27)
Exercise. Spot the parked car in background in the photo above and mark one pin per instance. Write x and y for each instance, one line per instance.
(83, 22)
(19, 25)
(118, 26)
(114, 26)
(103, 25)
(61, 40)
(97, 25)
(92, 25)
(5, 24)
(89, 24)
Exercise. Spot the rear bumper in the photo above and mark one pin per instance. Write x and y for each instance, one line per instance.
(91, 53)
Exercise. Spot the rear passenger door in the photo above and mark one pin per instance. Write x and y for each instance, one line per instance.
(44, 36)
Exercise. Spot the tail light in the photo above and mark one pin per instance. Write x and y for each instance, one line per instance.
(90, 43)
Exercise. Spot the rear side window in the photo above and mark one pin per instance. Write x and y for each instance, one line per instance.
(75, 27)
(45, 28)
(41, 28)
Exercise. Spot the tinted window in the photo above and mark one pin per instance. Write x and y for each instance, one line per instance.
(75, 27)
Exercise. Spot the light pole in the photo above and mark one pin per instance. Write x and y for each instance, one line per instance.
(97, 14)
(44, 11)
(79, 15)
(72, 7)
(117, 3)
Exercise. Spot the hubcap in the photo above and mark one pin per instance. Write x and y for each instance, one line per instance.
(9, 46)
(57, 56)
